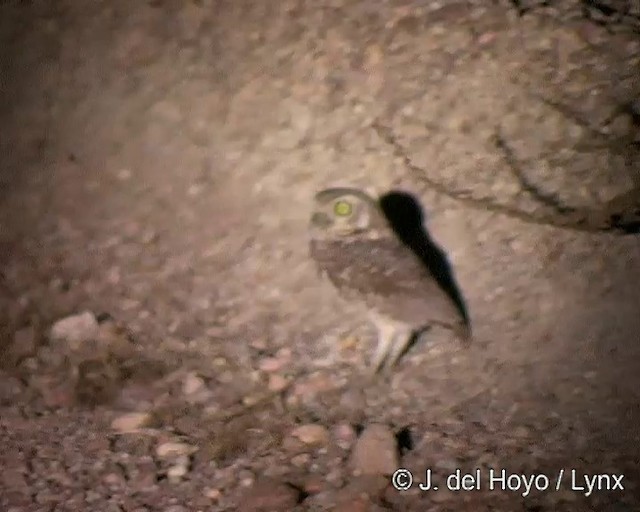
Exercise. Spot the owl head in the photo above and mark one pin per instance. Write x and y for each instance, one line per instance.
(343, 212)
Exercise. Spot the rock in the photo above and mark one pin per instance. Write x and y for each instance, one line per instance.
(259, 344)
(213, 494)
(275, 363)
(311, 434)
(178, 470)
(277, 383)
(344, 435)
(75, 329)
(192, 384)
(246, 478)
(375, 452)
(124, 174)
(270, 364)
(314, 484)
(267, 495)
(522, 432)
(335, 477)
(293, 445)
(131, 422)
(113, 480)
(172, 449)
(301, 460)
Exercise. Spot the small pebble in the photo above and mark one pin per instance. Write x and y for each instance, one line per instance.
(172, 449)
(192, 384)
(311, 434)
(301, 460)
(277, 383)
(213, 494)
(75, 328)
(344, 435)
(131, 422)
(177, 472)
(271, 364)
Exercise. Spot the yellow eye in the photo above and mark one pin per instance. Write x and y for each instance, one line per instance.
(342, 208)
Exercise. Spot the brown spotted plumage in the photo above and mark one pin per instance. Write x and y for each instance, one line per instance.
(356, 249)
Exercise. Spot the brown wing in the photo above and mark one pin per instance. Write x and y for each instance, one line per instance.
(389, 277)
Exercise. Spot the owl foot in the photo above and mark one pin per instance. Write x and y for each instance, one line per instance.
(402, 340)
(393, 340)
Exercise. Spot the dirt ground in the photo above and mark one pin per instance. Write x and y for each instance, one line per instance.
(166, 344)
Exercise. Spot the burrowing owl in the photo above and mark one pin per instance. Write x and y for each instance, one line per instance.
(354, 245)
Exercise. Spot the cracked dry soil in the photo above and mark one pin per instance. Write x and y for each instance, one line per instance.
(166, 344)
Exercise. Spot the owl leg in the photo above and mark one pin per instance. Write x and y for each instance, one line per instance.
(401, 341)
(386, 336)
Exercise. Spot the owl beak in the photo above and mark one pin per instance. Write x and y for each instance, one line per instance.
(321, 220)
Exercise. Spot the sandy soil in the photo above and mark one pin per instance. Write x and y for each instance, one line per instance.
(157, 161)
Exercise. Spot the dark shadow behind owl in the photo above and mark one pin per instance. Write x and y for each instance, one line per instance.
(406, 217)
